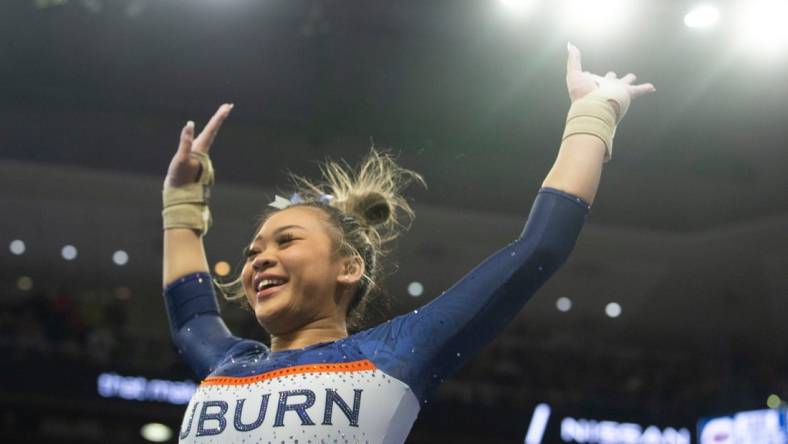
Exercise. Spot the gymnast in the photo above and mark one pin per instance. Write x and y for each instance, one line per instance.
(313, 265)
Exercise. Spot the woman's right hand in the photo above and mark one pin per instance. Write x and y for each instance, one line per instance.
(580, 83)
(185, 169)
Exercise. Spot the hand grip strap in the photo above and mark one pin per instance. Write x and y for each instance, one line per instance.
(187, 206)
(594, 115)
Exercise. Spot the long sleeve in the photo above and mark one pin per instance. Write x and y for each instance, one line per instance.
(199, 333)
(426, 345)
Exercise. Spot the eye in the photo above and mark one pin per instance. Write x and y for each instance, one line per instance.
(249, 253)
(285, 238)
(282, 239)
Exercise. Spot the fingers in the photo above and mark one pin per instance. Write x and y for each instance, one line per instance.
(642, 89)
(635, 90)
(573, 62)
(187, 135)
(574, 66)
(629, 78)
(208, 134)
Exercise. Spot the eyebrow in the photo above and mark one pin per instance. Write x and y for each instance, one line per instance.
(278, 230)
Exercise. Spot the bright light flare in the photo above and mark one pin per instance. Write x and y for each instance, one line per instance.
(702, 16)
(155, 432)
(69, 252)
(762, 25)
(613, 310)
(518, 7)
(415, 289)
(17, 247)
(120, 257)
(597, 16)
(563, 304)
(222, 268)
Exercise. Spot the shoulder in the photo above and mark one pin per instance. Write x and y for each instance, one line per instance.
(243, 350)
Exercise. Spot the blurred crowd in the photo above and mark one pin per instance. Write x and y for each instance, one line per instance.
(88, 327)
(569, 369)
(518, 370)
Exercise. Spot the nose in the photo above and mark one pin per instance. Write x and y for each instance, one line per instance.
(263, 261)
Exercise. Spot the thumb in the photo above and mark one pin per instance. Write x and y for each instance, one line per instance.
(187, 136)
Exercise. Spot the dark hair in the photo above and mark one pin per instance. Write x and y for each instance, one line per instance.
(366, 212)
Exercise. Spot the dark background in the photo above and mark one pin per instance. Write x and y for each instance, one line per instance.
(688, 232)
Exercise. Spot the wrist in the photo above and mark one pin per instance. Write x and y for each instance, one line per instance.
(187, 206)
(616, 108)
(595, 116)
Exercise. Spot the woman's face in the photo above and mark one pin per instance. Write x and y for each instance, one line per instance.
(295, 252)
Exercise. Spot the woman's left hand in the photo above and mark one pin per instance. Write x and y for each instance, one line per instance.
(580, 83)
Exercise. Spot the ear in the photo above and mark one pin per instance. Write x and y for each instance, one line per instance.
(352, 270)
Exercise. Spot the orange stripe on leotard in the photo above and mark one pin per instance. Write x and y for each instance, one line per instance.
(355, 366)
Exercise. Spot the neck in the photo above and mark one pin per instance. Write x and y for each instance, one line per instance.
(322, 330)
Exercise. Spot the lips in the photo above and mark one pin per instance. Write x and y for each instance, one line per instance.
(269, 291)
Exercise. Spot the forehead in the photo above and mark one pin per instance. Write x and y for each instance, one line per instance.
(310, 218)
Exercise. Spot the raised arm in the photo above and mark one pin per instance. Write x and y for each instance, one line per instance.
(586, 145)
(183, 247)
(197, 330)
(425, 346)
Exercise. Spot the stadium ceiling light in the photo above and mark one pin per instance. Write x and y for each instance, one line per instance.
(415, 289)
(595, 16)
(762, 25)
(702, 16)
(518, 6)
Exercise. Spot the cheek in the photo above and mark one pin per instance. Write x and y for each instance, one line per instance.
(313, 272)
(246, 273)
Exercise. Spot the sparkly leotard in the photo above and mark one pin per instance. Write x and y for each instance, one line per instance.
(367, 387)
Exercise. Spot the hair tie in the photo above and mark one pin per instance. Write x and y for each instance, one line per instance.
(282, 203)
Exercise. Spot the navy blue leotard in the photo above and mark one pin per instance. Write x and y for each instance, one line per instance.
(369, 386)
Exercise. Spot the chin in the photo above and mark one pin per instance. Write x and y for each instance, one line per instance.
(261, 312)
(266, 313)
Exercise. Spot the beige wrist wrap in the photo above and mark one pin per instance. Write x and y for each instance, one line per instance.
(594, 115)
(187, 206)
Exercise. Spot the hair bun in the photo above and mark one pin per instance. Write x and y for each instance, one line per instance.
(374, 208)
(372, 192)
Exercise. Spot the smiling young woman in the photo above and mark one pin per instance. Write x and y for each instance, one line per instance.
(314, 263)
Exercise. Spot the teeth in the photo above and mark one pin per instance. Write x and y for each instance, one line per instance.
(266, 282)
